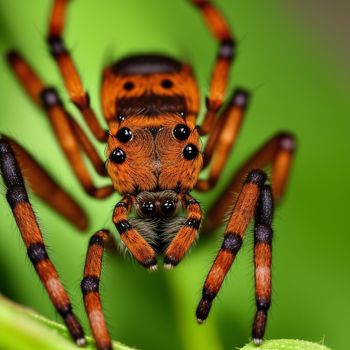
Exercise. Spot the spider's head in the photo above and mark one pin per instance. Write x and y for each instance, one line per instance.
(153, 154)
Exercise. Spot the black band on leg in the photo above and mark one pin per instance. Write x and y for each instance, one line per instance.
(11, 173)
(262, 235)
(264, 210)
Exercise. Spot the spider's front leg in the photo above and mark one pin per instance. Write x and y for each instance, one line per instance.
(255, 197)
(90, 288)
(18, 200)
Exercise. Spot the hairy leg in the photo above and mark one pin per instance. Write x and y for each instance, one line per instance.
(17, 198)
(69, 135)
(90, 288)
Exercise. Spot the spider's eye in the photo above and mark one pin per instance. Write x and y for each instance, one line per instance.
(129, 85)
(168, 207)
(190, 151)
(167, 84)
(181, 132)
(148, 208)
(124, 135)
(117, 156)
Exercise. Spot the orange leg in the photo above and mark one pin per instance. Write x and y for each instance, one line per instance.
(134, 242)
(46, 188)
(186, 235)
(68, 70)
(222, 139)
(221, 31)
(68, 133)
(262, 261)
(277, 153)
(17, 198)
(90, 288)
(242, 213)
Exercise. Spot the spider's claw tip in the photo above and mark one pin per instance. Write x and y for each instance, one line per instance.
(257, 341)
(153, 268)
(81, 341)
(200, 321)
(168, 266)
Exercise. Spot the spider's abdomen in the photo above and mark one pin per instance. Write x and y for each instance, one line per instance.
(149, 85)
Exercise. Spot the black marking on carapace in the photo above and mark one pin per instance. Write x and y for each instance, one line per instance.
(146, 64)
(123, 226)
(37, 252)
(151, 105)
(154, 131)
(232, 242)
(90, 284)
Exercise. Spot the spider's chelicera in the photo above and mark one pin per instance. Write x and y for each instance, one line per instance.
(150, 105)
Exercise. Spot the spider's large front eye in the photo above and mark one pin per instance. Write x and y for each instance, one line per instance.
(181, 132)
(168, 207)
(190, 151)
(148, 208)
(124, 135)
(117, 156)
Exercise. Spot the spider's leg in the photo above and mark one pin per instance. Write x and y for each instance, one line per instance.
(262, 261)
(90, 288)
(17, 198)
(186, 235)
(221, 31)
(222, 138)
(134, 242)
(242, 214)
(46, 188)
(68, 69)
(276, 153)
(69, 134)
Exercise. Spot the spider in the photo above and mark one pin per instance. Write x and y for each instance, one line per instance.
(150, 103)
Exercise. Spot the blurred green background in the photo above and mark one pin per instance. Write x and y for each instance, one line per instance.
(299, 77)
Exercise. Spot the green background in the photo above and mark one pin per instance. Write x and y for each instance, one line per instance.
(298, 84)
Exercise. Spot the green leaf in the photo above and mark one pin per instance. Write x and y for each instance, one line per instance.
(21, 328)
(286, 344)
